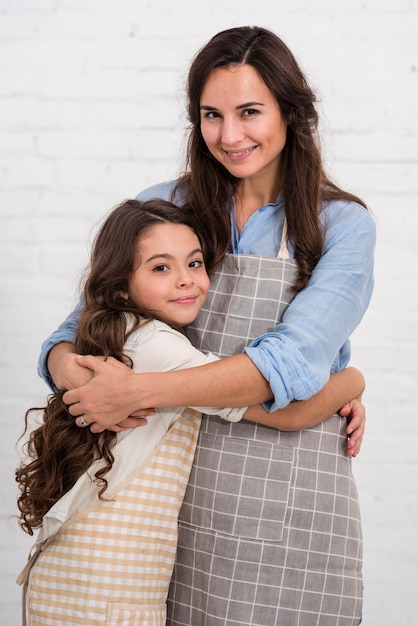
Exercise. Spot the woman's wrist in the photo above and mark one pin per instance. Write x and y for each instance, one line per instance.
(56, 363)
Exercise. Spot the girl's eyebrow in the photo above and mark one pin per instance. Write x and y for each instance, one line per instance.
(159, 255)
(245, 105)
(165, 255)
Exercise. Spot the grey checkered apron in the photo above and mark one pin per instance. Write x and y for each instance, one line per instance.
(270, 528)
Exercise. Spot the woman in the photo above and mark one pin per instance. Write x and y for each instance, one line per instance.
(297, 284)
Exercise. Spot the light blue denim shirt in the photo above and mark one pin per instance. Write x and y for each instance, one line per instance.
(313, 338)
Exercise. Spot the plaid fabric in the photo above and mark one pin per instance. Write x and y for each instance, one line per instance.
(113, 564)
(270, 529)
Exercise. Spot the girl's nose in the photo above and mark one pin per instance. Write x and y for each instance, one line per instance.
(185, 279)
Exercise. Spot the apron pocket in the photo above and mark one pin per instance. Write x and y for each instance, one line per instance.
(136, 614)
(239, 487)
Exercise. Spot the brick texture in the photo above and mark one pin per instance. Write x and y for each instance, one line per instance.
(91, 112)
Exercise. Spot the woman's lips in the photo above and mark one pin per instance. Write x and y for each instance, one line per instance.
(239, 155)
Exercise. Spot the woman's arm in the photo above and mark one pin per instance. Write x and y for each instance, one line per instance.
(65, 333)
(115, 391)
(121, 392)
(312, 338)
(294, 361)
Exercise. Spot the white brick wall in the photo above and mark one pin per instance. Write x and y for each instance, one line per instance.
(91, 112)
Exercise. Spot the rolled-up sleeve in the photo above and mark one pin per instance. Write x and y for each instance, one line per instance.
(313, 338)
(67, 331)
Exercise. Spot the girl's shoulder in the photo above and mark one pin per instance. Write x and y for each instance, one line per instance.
(156, 347)
(147, 329)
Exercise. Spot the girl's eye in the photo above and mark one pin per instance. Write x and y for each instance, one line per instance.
(160, 268)
(196, 263)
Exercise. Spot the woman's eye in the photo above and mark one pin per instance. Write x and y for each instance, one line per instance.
(250, 112)
(211, 115)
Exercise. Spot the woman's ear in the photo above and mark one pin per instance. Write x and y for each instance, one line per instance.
(124, 295)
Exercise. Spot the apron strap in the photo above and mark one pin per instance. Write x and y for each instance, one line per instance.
(23, 578)
(283, 252)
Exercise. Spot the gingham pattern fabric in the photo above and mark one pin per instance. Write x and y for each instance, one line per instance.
(270, 530)
(112, 565)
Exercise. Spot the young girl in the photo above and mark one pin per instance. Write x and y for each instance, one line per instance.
(108, 503)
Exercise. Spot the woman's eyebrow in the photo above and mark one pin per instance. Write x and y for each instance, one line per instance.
(245, 105)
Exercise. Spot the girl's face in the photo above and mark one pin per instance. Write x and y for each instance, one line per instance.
(170, 278)
(242, 124)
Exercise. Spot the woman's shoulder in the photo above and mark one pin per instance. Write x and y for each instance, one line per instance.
(161, 191)
(347, 215)
(344, 207)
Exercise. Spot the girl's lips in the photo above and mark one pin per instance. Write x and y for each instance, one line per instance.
(239, 155)
(185, 300)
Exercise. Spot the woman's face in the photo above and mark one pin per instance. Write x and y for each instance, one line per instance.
(242, 124)
(170, 279)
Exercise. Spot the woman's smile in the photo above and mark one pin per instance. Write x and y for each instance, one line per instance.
(239, 155)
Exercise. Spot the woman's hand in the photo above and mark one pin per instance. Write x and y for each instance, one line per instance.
(103, 403)
(355, 412)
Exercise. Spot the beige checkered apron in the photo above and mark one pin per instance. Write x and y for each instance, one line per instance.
(270, 528)
(112, 564)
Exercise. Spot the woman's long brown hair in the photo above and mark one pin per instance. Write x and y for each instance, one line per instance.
(207, 186)
(58, 452)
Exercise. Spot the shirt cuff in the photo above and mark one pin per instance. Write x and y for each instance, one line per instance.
(288, 373)
(233, 415)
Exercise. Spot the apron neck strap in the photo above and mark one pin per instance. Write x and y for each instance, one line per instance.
(283, 252)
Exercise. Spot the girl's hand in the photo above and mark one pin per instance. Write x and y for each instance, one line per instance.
(355, 412)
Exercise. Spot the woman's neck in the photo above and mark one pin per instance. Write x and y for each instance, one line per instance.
(249, 197)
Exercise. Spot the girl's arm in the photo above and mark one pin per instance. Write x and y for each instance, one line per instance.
(335, 396)
(300, 414)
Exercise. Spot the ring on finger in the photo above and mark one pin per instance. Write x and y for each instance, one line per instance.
(83, 421)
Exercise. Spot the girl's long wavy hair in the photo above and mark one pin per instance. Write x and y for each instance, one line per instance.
(208, 188)
(58, 452)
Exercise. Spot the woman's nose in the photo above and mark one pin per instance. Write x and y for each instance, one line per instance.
(231, 131)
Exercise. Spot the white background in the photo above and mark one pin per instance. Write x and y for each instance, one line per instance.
(91, 112)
